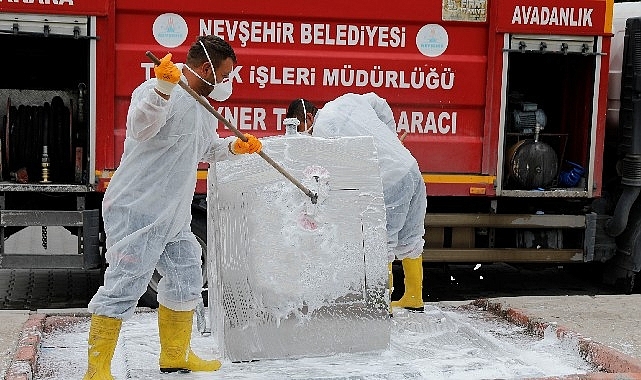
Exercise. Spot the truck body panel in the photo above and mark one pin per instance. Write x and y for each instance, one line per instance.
(322, 57)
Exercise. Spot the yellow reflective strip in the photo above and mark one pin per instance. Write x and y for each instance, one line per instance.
(477, 190)
(103, 174)
(431, 178)
(458, 178)
(609, 6)
(202, 174)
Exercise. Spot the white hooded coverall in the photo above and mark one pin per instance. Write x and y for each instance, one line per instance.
(403, 185)
(147, 205)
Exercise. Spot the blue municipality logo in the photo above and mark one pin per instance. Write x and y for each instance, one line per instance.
(170, 30)
(432, 40)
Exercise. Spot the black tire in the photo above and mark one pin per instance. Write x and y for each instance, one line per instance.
(199, 228)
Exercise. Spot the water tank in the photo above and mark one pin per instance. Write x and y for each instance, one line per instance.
(532, 164)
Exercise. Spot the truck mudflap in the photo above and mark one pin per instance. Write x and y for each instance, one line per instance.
(599, 246)
(85, 222)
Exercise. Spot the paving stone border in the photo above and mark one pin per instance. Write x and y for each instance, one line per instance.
(616, 365)
(23, 365)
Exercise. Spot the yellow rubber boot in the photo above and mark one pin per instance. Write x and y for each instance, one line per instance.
(413, 297)
(174, 328)
(103, 336)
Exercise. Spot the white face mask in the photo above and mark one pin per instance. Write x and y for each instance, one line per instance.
(220, 91)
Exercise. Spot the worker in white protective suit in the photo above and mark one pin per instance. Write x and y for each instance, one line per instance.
(403, 185)
(147, 206)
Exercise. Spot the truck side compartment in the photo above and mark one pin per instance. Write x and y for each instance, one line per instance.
(45, 151)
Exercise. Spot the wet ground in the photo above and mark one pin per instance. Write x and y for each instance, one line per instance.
(444, 342)
(571, 297)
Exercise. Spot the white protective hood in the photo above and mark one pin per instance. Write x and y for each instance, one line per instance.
(367, 115)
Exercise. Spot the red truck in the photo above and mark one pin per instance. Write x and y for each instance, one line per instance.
(504, 102)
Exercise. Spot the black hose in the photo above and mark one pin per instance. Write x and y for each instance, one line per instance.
(615, 226)
(630, 128)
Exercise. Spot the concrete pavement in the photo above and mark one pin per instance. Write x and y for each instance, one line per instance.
(604, 330)
(612, 320)
(11, 323)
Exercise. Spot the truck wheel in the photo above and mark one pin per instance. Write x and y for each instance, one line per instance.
(199, 228)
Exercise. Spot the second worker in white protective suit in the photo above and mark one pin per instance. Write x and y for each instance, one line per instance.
(403, 185)
(147, 206)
